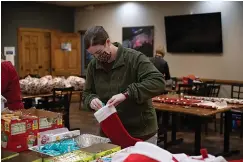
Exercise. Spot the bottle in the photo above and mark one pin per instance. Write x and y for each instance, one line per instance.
(181, 95)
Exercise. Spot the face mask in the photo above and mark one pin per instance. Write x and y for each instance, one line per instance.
(104, 56)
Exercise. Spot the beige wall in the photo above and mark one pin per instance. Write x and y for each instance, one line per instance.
(226, 66)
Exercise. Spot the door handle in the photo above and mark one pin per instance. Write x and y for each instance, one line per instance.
(53, 69)
(40, 67)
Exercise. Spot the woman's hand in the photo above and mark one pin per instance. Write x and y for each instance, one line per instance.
(116, 100)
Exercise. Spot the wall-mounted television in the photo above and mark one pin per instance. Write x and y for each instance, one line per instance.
(195, 33)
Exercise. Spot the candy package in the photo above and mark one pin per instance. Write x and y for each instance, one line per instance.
(59, 147)
(75, 156)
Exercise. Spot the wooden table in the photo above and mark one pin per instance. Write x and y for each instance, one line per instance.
(28, 96)
(202, 112)
(27, 156)
(218, 81)
(199, 114)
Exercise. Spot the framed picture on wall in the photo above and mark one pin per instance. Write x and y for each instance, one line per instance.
(139, 38)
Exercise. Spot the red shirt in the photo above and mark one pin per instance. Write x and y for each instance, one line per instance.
(10, 88)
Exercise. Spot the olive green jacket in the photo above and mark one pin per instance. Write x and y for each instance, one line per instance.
(134, 72)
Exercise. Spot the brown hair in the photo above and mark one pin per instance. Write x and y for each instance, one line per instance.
(160, 51)
(95, 36)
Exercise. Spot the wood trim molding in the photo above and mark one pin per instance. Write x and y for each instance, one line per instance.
(218, 81)
(33, 30)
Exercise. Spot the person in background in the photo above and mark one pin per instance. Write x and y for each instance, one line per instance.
(10, 88)
(160, 63)
(124, 78)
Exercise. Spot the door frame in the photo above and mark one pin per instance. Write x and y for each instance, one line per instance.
(83, 56)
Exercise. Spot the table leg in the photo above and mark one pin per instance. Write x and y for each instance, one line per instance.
(227, 128)
(174, 129)
(197, 144)
(80, 97)
(241, 131)
(66, 116)
(165, 123)
(221, 122)
(174, 140)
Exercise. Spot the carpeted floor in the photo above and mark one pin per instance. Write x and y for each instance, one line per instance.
(213, 141)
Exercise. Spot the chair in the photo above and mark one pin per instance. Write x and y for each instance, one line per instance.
(213, 90)
(174, 83)
(185, 89)
(236, 93)
(61, 102)
(199, 89)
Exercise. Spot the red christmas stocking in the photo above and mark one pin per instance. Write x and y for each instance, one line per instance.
(113, 128)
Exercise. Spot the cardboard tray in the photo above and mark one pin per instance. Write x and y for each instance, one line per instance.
(84, 140)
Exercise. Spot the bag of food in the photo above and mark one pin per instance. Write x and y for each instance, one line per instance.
(76, 82)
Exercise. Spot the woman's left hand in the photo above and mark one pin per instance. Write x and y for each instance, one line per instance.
(116, 100)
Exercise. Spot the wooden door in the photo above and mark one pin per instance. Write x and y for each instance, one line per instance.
(65, 63)
(34, 52)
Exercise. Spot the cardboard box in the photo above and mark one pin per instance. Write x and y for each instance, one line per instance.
(46, 136)
(75, 156)
(19, 132)
(55, 135)
(47, 120)
(101, 149)
(88, 154)
(19, 129)
(109, 157)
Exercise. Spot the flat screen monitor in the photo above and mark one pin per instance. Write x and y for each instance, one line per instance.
(195, 33)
